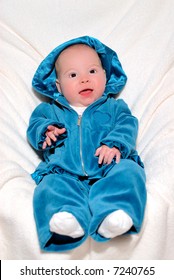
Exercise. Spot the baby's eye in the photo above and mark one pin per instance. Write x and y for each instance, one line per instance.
(72, 75)
(93, 71)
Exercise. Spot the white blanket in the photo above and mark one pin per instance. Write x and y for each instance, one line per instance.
(142, 33)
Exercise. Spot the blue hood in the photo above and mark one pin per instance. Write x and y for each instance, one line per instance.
(44, 80)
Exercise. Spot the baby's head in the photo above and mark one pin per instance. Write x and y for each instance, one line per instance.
(81, 59)
(80, 75)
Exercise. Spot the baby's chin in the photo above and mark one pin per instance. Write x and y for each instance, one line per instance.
(86, 101)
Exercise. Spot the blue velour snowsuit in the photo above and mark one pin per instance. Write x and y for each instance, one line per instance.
(70, 178)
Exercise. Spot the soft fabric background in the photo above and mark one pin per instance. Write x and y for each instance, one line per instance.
(142, 33)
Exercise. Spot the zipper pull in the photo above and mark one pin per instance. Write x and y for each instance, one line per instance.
(79, 120)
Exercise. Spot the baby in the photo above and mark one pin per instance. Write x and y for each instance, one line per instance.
(92, 181)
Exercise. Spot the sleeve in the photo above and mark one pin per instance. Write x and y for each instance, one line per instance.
(124, 132)
(41, 118)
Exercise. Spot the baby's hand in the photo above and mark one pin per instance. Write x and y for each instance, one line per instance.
(51, 135)
(107, 154)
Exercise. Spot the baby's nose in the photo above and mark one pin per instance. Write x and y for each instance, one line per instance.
(84, 80)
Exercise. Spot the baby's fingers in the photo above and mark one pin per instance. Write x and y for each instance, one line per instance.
(44, 145)
(51, 136)
(59, 131)
(100, 154)
(108, 156)
(97, 152)
(47, 142)
(51, 127)
(118, 157)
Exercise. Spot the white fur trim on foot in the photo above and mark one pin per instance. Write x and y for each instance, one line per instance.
(115, 224)
(65, 223)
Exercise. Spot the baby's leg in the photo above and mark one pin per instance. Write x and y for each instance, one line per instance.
(122, 188)
(56, 194)
(115, 224)
(65, 223)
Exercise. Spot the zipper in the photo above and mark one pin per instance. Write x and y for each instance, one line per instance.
(79, 125)
(81, 156)
(80, 130)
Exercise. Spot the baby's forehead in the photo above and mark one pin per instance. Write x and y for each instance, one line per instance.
(76, 48)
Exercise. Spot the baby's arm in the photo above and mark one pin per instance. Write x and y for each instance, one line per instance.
(51, 135)
(123, 134)
(106, 155)
(40, 131)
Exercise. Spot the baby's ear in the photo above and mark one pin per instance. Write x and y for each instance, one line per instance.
(58, 86)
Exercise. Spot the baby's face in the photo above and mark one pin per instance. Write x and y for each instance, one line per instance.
(81, 78)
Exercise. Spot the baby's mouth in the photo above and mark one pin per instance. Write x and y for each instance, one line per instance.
(86, 91)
